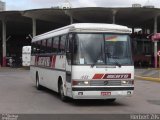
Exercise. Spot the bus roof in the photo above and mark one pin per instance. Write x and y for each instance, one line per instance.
(84, 27)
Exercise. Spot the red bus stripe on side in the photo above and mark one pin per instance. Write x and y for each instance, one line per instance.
(53, 61)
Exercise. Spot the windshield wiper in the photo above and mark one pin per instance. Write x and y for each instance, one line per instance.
(98, 61)
(117, 63)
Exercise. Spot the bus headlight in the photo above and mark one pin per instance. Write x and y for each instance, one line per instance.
(80, 83)
(124, 82)
(127, 82)
(86, 82)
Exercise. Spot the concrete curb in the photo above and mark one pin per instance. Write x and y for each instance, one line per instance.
(148, 78)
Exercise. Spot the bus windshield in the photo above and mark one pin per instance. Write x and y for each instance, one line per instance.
(102, 49)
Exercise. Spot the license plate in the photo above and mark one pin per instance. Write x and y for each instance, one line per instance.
(105, 93)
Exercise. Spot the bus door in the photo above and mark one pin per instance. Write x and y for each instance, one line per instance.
(68, 65)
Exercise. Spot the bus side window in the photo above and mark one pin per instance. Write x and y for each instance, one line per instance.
(43, 47)
(62, 44)
(38, 48)
(49, 45)
(56, 44)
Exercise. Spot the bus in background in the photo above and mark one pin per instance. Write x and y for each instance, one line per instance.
(84, 61)
(26, 56)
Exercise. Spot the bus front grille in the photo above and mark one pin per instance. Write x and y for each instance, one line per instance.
(105, 83)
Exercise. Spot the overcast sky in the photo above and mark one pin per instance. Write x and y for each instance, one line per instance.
(33, 4)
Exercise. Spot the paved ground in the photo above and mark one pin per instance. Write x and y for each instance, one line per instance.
(19, 95)
(153, 73)
(148, 74)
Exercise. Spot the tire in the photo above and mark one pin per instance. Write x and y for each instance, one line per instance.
(111, 100)
(61, 92)
(38, 86)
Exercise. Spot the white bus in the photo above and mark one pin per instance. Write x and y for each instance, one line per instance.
(84, 61)
(26, 56)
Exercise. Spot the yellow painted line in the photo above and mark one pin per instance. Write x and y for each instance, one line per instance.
(153, 68)
(148, 78)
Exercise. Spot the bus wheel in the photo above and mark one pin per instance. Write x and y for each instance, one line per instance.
(61, 92)
(111, 100)
(38, 86)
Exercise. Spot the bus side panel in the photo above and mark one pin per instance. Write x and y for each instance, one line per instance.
(49, 76)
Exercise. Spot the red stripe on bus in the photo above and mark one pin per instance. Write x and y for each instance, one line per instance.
(53, 62)
(36, 60)
(98, 76)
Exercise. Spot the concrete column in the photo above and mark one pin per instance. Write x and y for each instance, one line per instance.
(114, 16)
(4, 42)
(132, 30)
(70, 16)
(71, 19)
(155, 42)
(34, 26)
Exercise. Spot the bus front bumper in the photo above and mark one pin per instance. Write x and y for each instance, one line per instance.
(102, 92)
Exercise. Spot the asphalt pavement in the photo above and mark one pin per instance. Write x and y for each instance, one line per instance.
(18, 94)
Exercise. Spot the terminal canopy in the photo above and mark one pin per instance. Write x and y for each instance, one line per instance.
(131, 17)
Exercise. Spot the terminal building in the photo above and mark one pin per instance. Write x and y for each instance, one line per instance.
(18, 27)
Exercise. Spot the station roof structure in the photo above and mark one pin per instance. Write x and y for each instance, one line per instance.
(17, 25)
(51, 18)
(133, 17)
